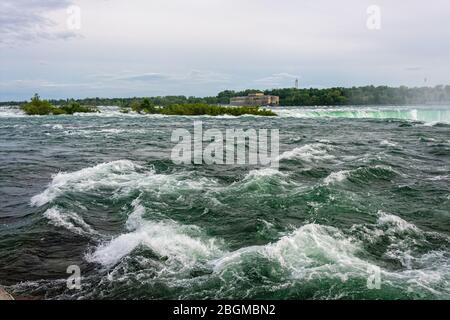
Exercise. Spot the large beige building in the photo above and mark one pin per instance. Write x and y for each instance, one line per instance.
(255, 99)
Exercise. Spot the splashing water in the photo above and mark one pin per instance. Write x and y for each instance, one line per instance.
(358, 190)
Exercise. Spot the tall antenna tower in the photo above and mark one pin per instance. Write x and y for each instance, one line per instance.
(296, 83)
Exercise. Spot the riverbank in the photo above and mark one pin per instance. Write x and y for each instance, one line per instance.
(4, 295)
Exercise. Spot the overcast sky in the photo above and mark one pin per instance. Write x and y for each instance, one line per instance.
(201, 47)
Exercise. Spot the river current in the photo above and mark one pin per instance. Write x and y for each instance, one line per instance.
(358, 209)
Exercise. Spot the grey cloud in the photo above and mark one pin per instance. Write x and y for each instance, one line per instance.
(201, 47)
(25, 20)
(144, 77)
(277, 79)
(194, 76)
(207, 76)
(414, 68)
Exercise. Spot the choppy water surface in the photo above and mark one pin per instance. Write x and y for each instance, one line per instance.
(358, 190)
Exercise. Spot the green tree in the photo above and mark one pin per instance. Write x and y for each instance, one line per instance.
(39, 107)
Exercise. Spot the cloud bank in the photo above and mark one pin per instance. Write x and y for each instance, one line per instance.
(200, 47)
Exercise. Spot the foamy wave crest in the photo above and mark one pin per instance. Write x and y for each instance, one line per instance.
(429, 271)
(112, 173)
(11, 112)
(114, 111)
(361, 174)
(261, 173)
(404, 243)
(104, 132)
(309, 153)
(395, 223)
(324, 249)
(312, 250)
(180, 247)
(404, 237)
(428, 115)
(323, 252)
(68, 220)
(388, 143)
(439, 178)
(335, 177)
(118, 178)
(56, 126)
(265, 180)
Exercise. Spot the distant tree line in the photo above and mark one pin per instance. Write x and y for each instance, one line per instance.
(369, 95)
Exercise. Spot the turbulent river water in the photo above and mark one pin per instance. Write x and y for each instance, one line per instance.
(359, 208)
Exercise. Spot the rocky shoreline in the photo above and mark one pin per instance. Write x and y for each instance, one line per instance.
(4, 295)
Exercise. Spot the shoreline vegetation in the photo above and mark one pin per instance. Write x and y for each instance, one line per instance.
(338, 96)
(43, 107)
(37, 106)
(195, 109)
